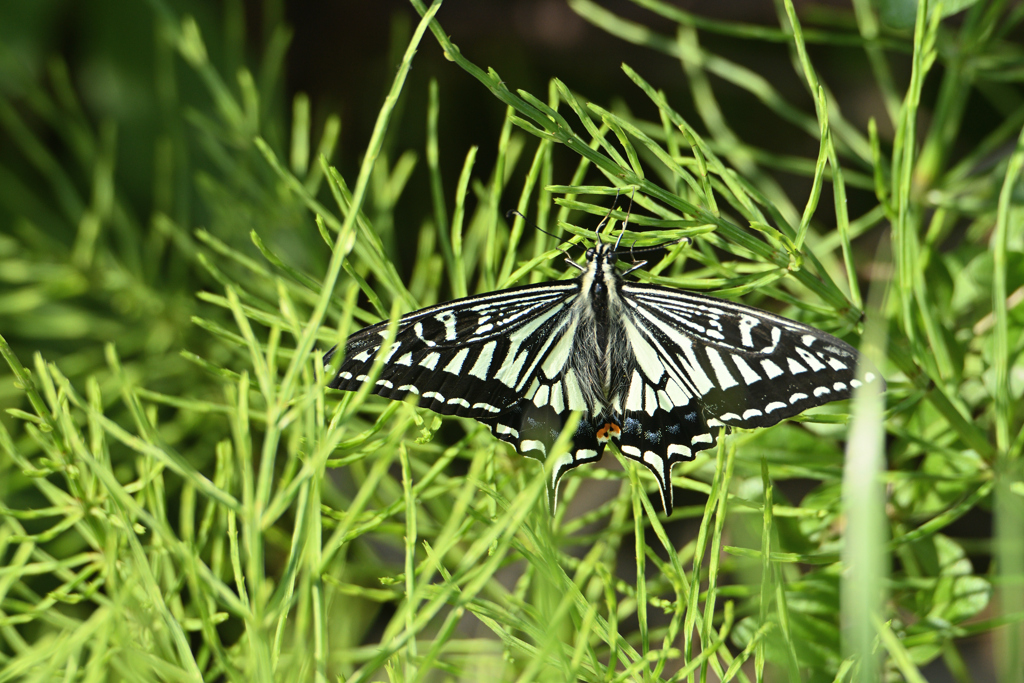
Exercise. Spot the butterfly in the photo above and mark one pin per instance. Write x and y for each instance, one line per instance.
(658, 370)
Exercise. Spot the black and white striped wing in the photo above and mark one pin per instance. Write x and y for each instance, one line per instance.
(485, 357)
(703, 363)
(454, 355)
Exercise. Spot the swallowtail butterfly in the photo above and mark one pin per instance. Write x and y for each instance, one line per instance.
(657, 369)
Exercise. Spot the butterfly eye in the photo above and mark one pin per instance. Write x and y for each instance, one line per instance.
(590, 253)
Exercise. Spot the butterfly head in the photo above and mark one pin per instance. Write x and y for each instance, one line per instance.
(603, 253)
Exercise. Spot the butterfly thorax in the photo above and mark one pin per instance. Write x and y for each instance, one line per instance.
(601, 354)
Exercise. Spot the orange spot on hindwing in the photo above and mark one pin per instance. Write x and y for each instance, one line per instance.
(608, 431)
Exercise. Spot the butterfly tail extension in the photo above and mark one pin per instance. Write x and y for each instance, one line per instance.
(533, 431)
(660, 438)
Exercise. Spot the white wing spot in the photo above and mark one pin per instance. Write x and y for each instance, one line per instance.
(771, 369)
(797, 397)
(447, 318)
(808, 339)
(646, 356)
(405, 359)
(725, 380)
(702, 438)
(809, 358)
(747, 323)
(364, 356)
(821, 391)
(541, 396)
(855, 383)
(837, 364)
(746, 372)
(489, 408)
(534, 386)
(664, 401)
(455, 364)
(505, 429)
(795, 367)
(774, 405)
(483, 361)
(679, 449)
(650, 400)
(385, 383)
(562, 463)
(557, 404)
(654, 460)
(418, 329)
(839, 386)
(458, 402)
(532, 445)
(729, 416)
(430, 360)
(510, 370)
(677, 394)
(753, 412)
(573, 395)
(555, 361)
(776, 336)
(391, 352)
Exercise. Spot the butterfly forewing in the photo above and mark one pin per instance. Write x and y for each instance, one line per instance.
(752, 368)
(451, 354)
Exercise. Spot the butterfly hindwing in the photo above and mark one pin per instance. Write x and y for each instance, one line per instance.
(662, 416)
(533, 431)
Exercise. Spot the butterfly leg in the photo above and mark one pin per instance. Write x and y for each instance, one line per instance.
(637, 265)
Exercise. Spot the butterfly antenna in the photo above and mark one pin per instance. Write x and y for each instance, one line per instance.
(629, 210)
(597, 230)
(513, 212)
